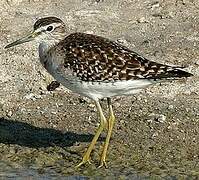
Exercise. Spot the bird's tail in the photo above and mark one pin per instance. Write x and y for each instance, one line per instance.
(170, 73)
(177, 72)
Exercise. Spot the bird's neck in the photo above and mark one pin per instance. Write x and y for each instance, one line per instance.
(43, 51)
(44, 47)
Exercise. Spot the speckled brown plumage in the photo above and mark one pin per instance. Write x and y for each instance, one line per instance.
(94, 58)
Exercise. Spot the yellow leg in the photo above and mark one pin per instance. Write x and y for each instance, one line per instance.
(110, 127)
(86, 157)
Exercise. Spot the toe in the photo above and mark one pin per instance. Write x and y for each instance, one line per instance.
(84, 161)
(103, 164)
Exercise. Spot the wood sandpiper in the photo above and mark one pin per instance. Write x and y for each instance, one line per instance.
(95, 67)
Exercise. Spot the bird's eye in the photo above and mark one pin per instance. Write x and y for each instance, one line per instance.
(49, 28)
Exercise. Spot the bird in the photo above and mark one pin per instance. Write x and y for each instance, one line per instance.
(95, 67)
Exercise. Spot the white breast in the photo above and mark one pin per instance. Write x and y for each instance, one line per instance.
(50, 63)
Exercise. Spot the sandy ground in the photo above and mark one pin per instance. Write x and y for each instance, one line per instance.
(44, 134)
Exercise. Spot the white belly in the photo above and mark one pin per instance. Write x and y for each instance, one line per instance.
(98, 90)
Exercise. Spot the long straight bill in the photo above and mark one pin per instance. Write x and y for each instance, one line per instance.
(27, 38)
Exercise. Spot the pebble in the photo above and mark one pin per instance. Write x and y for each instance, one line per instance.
(22, 109)
(12, 150)
(157, 117)
(155, 5)
(58, 105)
(32, 96)
(170, 107)
(89, 119)
(197, 62)
(53, 112)
(91, 105)
(138, 98)
(117, 105)
(89, 32)
(122, 41)
(122, 121)
(161, 118)
(142, 20)
(97, 124)
(81, 100)
(155, 134)
(9, 114)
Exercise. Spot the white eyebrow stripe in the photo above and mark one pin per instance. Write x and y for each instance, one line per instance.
(43, 28)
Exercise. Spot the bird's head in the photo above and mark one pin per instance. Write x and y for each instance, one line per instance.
(49, 30)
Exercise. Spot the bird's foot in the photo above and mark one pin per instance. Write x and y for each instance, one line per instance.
(103, 164)
(84, 161)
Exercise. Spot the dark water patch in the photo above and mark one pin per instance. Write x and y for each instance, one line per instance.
(9, 172)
